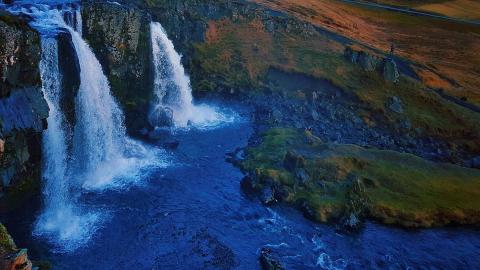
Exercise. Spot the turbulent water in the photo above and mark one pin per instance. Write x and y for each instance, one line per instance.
(172, 85)
(101, 157)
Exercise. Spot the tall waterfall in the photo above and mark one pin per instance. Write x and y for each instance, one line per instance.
(102, 155)
(172, 86)
(99, 130)
(61, 218)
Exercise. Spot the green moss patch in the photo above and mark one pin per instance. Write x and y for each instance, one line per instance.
(397, 188)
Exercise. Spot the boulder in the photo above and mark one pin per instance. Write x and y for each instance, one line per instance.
(267, 196)
(365, 60)
(268, 261)
(395, 104)
(390, 71)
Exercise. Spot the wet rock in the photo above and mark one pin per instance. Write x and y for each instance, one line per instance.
(268, 260)
(307, 210)
(161, 117)
(236, 157)
(120, 37)
(70, 68)
(267, 196)
(395, 105)
(159, 133)
(351, 223)
(171, 144)
(19, 54)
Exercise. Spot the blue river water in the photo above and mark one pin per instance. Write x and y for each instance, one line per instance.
(192, 214)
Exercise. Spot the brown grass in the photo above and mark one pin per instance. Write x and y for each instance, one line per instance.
(450, 49)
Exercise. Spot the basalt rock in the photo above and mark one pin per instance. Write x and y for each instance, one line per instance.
(19, 54)
(23, 109)
(120, 37)
(268, 261)
(70, 68)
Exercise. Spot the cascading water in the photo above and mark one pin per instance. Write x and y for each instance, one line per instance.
(102, 155)
(62, 219)
(172, 87)
(99, 131)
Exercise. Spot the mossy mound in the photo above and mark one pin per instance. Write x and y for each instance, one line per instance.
(6, 242)
(335, 181)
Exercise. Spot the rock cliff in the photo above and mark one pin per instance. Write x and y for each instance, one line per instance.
(23, 110)
(120, 37)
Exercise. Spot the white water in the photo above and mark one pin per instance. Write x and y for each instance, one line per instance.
(62, 219)
(172, 86)
(103, 157)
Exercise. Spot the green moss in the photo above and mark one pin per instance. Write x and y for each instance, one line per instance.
(400, 188)
(6, 241)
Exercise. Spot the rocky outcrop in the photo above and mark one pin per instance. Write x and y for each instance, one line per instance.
(23, 110)
(385, 66)
(268, 260)
(11, 257)
(120, 37)
(19, 54)
(69, 66)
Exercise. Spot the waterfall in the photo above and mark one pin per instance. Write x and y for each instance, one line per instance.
(99, 131)
(101, 156)
(172, 87)
(61, 218)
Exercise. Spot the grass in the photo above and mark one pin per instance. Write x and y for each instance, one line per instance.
(447, 51)
(401, 188)
(461, 9)
(6, 241)
(237, 55)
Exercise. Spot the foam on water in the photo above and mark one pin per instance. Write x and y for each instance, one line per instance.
(101, 157)
(62, 220)
(172, 87)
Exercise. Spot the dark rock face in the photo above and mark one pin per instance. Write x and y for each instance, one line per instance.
(161, 117)
(268, 260)
(18, 53)
(70, 68)
(120, 37)
(23, 110)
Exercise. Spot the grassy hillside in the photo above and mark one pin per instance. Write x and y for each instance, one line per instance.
(237, 54)
(448, 51)
(461, 9)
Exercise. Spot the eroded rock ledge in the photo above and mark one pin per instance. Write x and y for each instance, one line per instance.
(23, 110)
